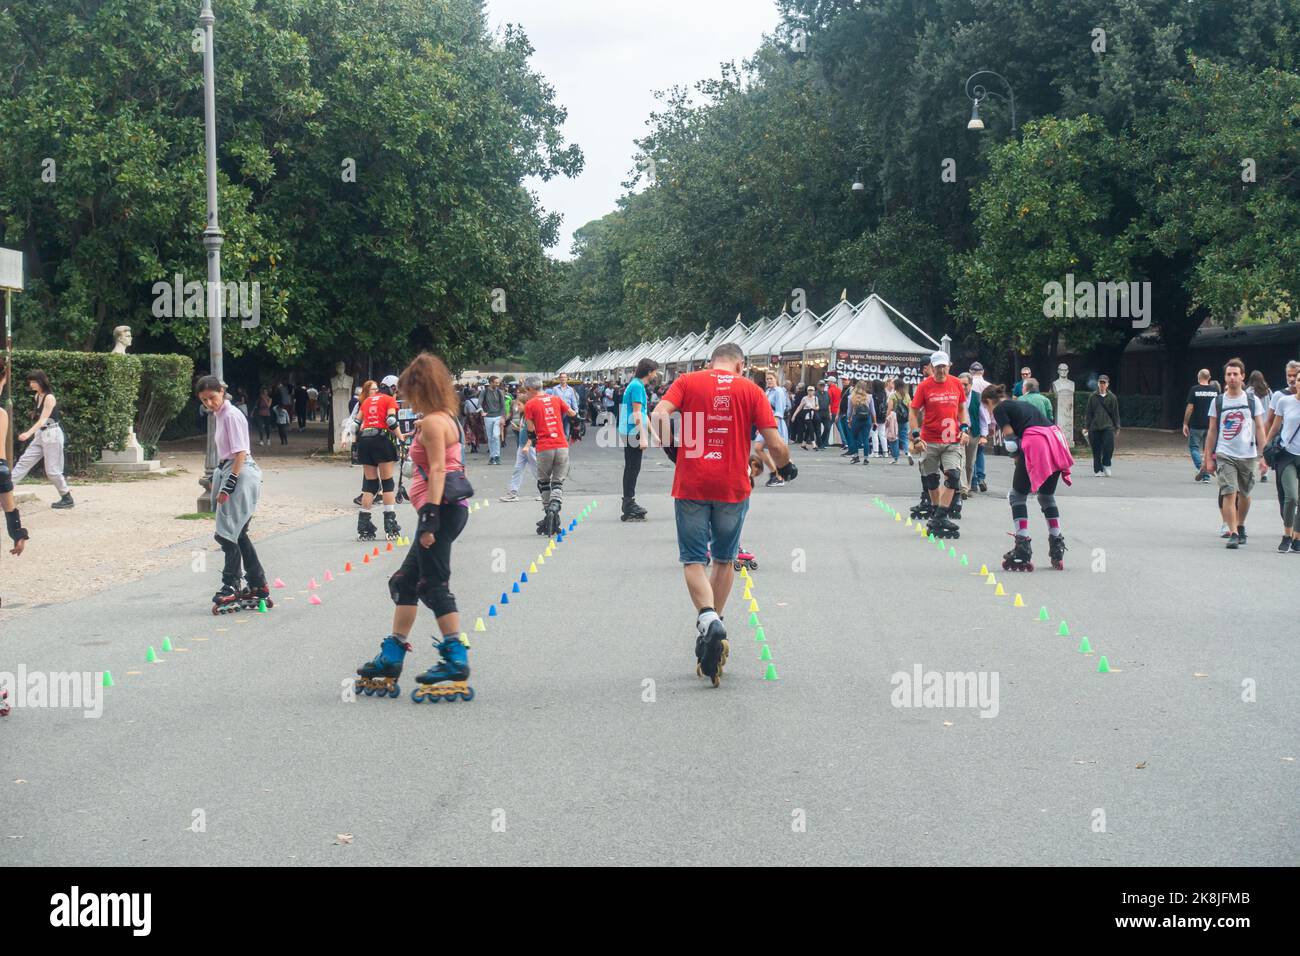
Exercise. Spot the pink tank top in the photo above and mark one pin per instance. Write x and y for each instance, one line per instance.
(420, 468)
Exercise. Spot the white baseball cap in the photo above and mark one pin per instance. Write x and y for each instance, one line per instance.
(390, 381)
(940, 358)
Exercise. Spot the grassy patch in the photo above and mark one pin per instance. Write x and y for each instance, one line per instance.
(197, 516)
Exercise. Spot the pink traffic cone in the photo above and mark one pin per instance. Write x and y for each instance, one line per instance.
(278, 583)
(328, 576)
(312, 585)
(313, 599)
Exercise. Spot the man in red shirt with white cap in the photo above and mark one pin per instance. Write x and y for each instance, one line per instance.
(720, 411)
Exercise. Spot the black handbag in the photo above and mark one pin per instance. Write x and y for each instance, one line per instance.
(1275, 452)
(455, 486)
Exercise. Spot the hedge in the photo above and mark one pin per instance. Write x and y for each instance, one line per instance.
(97, 399)
(164, 390)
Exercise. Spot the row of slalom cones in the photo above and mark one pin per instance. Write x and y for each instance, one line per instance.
(760, 637)
(1085, 646)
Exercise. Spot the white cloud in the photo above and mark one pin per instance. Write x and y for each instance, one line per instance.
(605, 59)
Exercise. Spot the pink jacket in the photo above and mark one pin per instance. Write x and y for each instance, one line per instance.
(1046, 452)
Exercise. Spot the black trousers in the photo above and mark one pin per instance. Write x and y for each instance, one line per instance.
(631, 469)
(1103, 446)
(241, 553)
(425, 574)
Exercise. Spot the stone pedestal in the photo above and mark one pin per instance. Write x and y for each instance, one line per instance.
(129, 459)
(340, 395)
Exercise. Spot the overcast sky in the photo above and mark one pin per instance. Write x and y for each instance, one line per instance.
(605, 59)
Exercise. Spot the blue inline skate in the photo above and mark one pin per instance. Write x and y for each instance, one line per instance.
(448, 678)
(379, 677)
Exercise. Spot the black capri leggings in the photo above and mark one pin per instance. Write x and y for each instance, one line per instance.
(425, 575)
(1020, 480)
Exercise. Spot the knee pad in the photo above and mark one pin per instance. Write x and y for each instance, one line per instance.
(401, 589)
(543, 486)
(1019, 501)
(930, 482)
(15, 522)
(387, 485)
(6, 478)
(370, 486)
(1048, 505)
(952, 478)
(437, 597)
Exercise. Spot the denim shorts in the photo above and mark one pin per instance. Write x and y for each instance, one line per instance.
(708, 527)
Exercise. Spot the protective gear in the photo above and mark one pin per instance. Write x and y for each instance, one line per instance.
(1019, 503)
(1011, 445)
(391, 420)
(389, 381)
(1048, 505)
(370, 486)
(387, 484)
(429, 519)
(788, 471)
(952, 478)
(6, 478)
(227, 489)
(930, 482)
(16, 530)
(916, 433)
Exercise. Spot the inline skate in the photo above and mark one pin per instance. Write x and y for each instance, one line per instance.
(711, 650)
(379, 677)
(251, 595)
(633, 511)
(745, 559)
(1056, 551)
(940, 526)
(954, 510)
(448, 679)
(391, 530)
(923, 509)
(1021, 557)
(365, 526)
(228, 600)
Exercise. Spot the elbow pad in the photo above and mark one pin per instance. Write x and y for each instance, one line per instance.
(16, 530)
(6, 478)
(392, 420)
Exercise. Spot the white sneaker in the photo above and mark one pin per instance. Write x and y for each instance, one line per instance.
(509, 496)
(1106, 471)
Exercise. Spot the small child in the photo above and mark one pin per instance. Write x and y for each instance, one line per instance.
(282, 423)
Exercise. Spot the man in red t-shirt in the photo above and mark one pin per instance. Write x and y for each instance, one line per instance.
(944, 431)
(720, 410)
(544, 417)
(833, 387)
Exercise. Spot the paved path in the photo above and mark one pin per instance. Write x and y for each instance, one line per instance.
(563, 759)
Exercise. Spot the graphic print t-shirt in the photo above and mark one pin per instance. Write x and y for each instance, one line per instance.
(942, 403)
(1201, 397)
(374, 413)
(1237, 429)
(719, 412)
(546, 412)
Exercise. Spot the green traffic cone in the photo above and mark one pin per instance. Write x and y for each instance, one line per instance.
(1063, 630)
(167, 645)
(150, 656)
(1042, 613)
(1103, 667)
(261, 606)
(767, 653)
(965, 561)
(759, 635)
(1084, 646)
(952, 552)
(770, 674)
(108, 679)
(753, 619)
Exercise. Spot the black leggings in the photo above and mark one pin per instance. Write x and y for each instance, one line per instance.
(425, 575)
(243, 553)
(1020, 480)
(631, 469)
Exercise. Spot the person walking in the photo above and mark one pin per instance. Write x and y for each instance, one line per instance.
(1234, 441)
(313, 402)
(805, 420)
(236, 491)
(1285, 426)
(1031, 394)
(1196, 419)
(878, 440)
(633, 429)
(262, 415)
(779, 400)
(437, 483)
(494, 410)
(1101, 426)
(475, 432)
(823, 421)
(899, 412)
(842, 418)
(525, 454)
(833, 393)
(1256, 383)
(566, 393)
(47, 439)
(282, 422)
(13, 520)
(861, 423)
(980, 423)
(712, 483)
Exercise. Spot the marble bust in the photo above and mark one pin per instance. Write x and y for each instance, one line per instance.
(121, 339)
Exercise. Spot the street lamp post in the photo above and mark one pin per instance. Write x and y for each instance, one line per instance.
(212, 240)
(979, 92)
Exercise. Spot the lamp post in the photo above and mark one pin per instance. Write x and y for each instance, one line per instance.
(212, 240)
(979, 92)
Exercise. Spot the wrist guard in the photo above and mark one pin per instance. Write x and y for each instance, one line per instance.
(671, 452)
(788, 471)
(16, 530)
(965, 428)
(1011, 445)
(429, 519)
(916, 433)
(229, 486)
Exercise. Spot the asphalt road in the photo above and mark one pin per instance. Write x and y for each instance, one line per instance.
(591, 740)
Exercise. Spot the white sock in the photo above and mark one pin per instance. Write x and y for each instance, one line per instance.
(389, 508)
(705, 619)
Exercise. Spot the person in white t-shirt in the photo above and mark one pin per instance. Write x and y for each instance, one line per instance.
(1285, 418)
(1233, 444)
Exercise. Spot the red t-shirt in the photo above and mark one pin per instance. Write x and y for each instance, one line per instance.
(835, 394)
(719, 414)
(943, 404)
(375, 409)
(546, 412)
